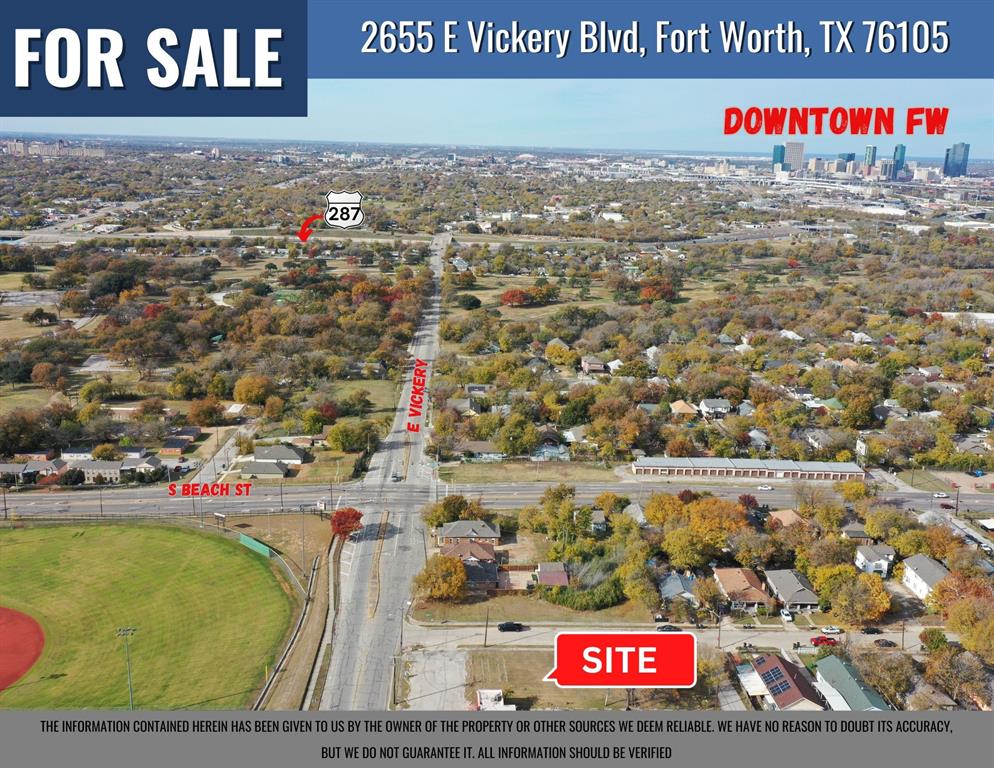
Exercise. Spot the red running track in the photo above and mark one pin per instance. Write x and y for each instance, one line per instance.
(21, 643)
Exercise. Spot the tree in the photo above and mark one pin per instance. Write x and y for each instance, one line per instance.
(961, 675)
(515, 297)
(443, 578)
(273, 407)
(686, 550)
(751, 548)
(892, 674)
(708, 594)
(207, 412)
(106, 452)
(253, 389)
(933, 639)
(748, 501)
(346, 521)
(861, 601)
(853, 490)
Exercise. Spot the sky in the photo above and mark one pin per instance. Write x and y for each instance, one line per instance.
(684, 115)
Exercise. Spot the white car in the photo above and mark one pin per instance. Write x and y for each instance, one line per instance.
(764, 487)
(786, 615)
(940, 495)
(831, 630)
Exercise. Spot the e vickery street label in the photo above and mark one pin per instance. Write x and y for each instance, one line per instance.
(416, 406)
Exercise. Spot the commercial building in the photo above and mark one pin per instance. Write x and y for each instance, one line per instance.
(870, 156)
(957, 158)
(779, 155)
(794, 154)
(759, 469)
(899, 152)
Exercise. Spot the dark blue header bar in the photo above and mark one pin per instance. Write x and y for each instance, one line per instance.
(180, 58)
(253, 58)
(628, 39)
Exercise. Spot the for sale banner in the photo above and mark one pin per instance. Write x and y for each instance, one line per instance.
(518, 383)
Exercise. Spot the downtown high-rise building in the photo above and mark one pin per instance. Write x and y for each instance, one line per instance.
(847, 157)
(957, 157)
(779, 155)
(870, 156)
(899, 152)
(794, 152)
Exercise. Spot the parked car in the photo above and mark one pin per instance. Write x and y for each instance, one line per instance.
(872, 631)
(940, 495)
(748, 626)
(821, 640)
(395, 478)
(667, 628)
(510, 626)
(831, 630)
(786, 615)
(946, 505)
(660, 618)
(764, 487)
(977, 473)
(883, 642)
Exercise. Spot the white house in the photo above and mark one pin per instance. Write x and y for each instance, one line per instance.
(715, 407)
(875, 558)
(921, 574)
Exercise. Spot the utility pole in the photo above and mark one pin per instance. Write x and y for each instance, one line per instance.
(281, 496)
(4, 489)
(486, 627)
(303, 556)
(127, 632)
(903, 622)
(100, 493)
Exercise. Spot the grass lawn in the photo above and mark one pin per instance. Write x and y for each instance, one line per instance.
(519, 674)
(328, 466)
(526, 608)
(23, 396)
(526, 471)
(925, 481)
(383, 394)
(210, 616)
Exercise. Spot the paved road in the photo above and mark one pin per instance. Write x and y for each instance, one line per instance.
(376, 588)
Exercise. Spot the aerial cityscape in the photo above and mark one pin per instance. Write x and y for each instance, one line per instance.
(378, 462)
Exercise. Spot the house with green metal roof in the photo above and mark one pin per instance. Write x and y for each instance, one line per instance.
(844, 689)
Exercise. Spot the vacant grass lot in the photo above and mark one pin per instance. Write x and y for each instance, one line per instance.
(526, 608)
(210, 616)
(526, 471)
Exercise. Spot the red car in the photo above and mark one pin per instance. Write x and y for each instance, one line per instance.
(822, 640)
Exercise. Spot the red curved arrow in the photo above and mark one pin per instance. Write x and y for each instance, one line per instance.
(305, 230)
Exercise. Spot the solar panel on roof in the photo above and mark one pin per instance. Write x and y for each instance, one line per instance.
(772, 675)
(779, 688)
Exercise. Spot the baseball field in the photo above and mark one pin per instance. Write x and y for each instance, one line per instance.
(209, 617)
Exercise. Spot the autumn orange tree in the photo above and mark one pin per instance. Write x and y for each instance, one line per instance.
(345, 521)
(443, 578)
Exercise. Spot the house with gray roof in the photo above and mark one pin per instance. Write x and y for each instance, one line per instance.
(715, 407)
(469, 530)
(792, 589)
(844, 689)
(875, 558)
(263, 470)
(921, 574)
(675, 585)
(286, 454)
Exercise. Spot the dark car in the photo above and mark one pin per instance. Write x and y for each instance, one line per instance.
(883, 642)
(945, 505)
(667, 628)
(510, 626)
(872, 631)
(659, 617)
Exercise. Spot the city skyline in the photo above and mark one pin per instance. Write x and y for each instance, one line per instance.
(630, 115)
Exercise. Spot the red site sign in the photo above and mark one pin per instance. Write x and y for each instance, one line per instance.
(625, 660)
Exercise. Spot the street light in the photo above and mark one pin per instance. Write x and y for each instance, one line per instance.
(127, 632)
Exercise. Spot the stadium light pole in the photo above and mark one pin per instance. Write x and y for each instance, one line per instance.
(127, 632)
